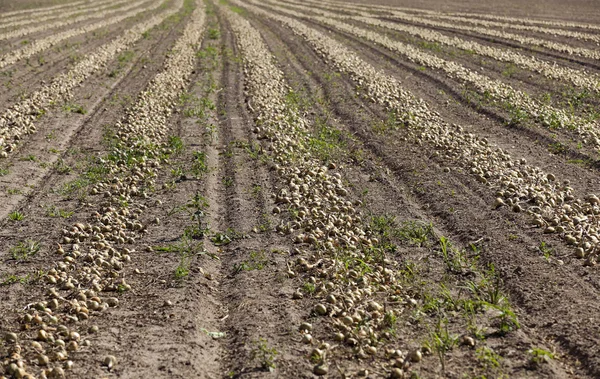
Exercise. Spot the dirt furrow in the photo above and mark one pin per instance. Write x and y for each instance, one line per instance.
(259, 316)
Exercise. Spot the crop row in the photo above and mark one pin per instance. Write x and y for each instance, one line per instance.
(38, 11)
(102, 9)
(529, 21)
(19, 119)
(326, 221)
(496, 90)
(42, 44)
(556, 46)
(93, 253)
(58, 15)
(517, 184)
(528, 28)
(517, 20)
(579, 78)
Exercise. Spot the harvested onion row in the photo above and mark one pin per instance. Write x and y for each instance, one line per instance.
(518, 185)
(99, 11)
(514, 20)
(57, 15)
(551, 45)
(19, 119)
(529, 21)
(40, 45)
(529, 28)
(93, 255)
(38, 11)
(336, 248)
(580, 78)
(497, 90)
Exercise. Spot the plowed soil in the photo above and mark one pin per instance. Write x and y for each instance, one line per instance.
(216, 284)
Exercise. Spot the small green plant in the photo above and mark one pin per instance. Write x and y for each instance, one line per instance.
(441, 341)
(16, 216)
(391, 123)
(546, 250)
(213, 33)
(509, 70)
(390, 319)
(230, 235)
(184, 246)
(517, 115)
(256, 190)
(557, 148)
(4, 171)
(74, 108)
(123, 288)
(309, 288)
(53, 211)
(488, 358)
(177, 172)
(25, 249)
(227, 181)
(210, 132)
(540, 356)
(415, 232)
(221, 239)
(264, 354)
(239, 10)
(265, 223)
(199, 165)
(506, 317)
(183, 268)
(29, 158)
(12, 279)
(257, 261)
(62, 167)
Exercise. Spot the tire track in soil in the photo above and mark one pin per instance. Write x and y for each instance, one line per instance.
(258, 301)
(536, 287)
(26, 174)
(486, 121)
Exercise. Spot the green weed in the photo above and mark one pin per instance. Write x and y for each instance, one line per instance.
(25, 249)
(16, 216)
(264, 354)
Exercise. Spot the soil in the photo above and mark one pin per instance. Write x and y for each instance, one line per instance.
(212, 296)
(579, 10)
